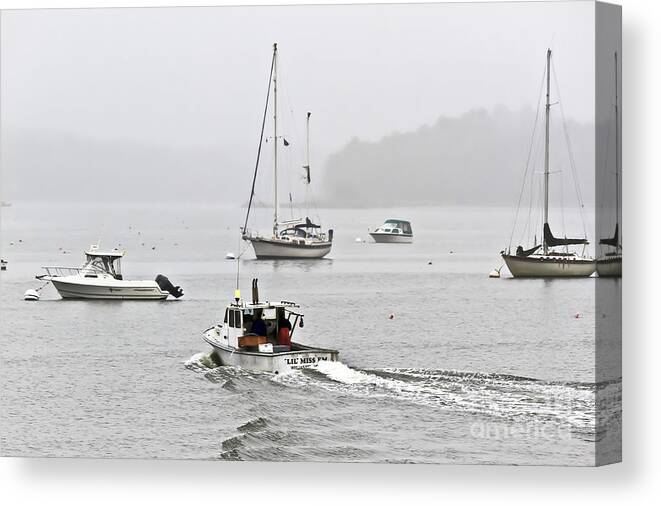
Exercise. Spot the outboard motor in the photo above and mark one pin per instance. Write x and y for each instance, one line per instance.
(165, 285)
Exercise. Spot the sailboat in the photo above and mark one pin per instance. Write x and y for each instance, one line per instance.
(295, 238)
(609, 264)
(551, 262)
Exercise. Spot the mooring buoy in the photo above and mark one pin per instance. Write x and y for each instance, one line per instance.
(31, 294)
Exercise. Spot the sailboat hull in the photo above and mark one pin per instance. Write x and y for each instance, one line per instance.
(609, 267)
(540, 266)
(277, 249)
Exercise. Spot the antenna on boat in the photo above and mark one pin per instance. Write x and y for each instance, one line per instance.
(237, 291)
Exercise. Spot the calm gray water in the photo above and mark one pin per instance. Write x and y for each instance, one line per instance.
(469, 370)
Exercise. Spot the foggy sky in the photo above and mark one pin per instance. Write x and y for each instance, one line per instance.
(179, 92)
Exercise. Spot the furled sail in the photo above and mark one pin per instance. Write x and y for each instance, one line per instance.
(554, 241)
(612, 241)
(520, 252)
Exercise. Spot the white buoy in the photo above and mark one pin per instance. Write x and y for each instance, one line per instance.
(31, 294)
(230, 256)
(359, 239)
(494, 273)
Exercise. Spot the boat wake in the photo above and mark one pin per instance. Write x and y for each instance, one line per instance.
(200, 362)
(512, 399)
(569, 407)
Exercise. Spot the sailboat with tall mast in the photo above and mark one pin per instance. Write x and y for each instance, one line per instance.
(551, 262)
(609, 264)
(296, 238)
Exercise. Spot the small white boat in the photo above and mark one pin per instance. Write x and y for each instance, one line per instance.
(101, 278)
(235, 341)
(394, 231)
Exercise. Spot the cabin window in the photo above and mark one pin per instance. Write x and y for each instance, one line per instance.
(237, 319)
(98, 263)
(269, 313)
(117, 268)
(225, 318)
(231, 322)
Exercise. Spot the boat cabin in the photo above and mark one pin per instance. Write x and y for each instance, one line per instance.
(109, 262)
(301, 230)
(396, 227)
(295, 233)
(261, 326)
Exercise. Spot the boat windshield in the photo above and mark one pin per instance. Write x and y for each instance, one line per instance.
(294, 232)
(108, 264)
(398, 226)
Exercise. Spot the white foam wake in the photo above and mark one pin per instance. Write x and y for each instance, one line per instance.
(493, 395)
(337, 371)
(200, 362)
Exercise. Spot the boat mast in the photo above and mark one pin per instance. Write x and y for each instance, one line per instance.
(275, 139)
(617, 156)
(546, 146)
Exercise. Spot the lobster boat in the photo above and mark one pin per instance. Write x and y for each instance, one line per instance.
(258, 336)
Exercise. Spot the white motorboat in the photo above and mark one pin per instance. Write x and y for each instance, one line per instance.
(296, 238)
(549, 262)
(258, 336)
(393, 231)
(101, 278)
(609, 263)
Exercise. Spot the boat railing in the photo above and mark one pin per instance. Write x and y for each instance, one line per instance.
(57, 271)
(247, 234)
(289, 303)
